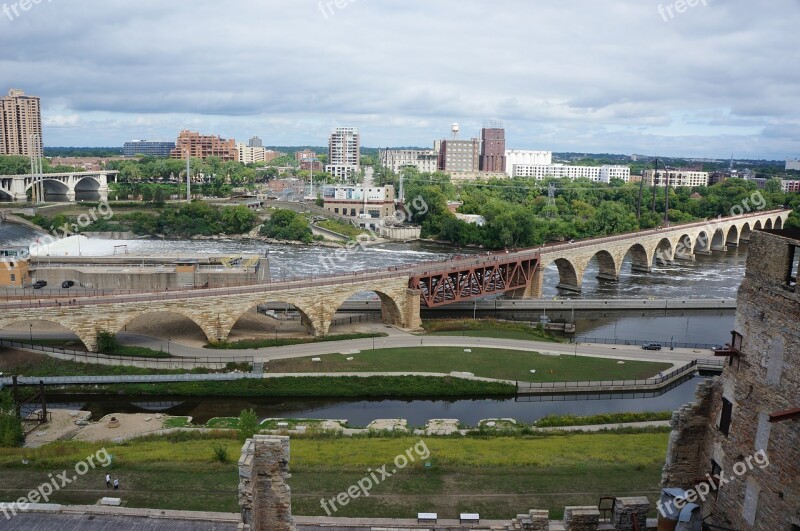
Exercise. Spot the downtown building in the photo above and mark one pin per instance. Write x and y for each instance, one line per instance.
(147, 148)
(493, 149)
(359, 202)
(255, 154)
(308, 160)
(424, 160)
(344, 153)
(600, 174)
(199, 146)
(20, 122)
(521, 157)
(675, 178)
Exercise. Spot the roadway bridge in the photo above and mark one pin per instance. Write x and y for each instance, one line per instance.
(402, 290)
(63, 184)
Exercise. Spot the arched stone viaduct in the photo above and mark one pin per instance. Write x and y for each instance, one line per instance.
(216, 311)
(217, 314)
(647, 247)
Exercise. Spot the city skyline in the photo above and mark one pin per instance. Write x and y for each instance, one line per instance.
(575, 77)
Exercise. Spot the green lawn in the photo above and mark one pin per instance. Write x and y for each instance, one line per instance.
(280, 342)
(491, 363)
(497, 477)
(487, 328)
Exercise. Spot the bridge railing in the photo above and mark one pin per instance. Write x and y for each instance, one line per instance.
(689, 368)
(621, 341)
(96, 358)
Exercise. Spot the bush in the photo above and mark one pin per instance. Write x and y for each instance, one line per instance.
(107, 342)
(248, 424)
(220, 453)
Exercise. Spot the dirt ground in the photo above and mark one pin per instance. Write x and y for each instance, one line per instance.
(62, 426)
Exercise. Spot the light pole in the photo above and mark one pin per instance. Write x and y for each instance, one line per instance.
(474, 309)
(31, 331)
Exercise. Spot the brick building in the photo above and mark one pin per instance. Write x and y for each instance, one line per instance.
(493, 149)
(746, 425)
(20, 118)
(203, 146)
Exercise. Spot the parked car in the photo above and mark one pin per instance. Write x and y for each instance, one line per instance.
(39, 284)
(651, 346)
(67, 283)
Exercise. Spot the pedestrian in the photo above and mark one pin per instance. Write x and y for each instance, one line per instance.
(116, 484)
(108, 481)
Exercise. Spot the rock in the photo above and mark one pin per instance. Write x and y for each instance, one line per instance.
(490, 424)
(533, 371)
(350, 358)
(148, 419)
(467, 350)
(316, 360)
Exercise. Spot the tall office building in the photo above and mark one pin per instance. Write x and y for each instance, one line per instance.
(460, 156)
(255, 142)
(344, 152)
(148, 148)
(20, 117)
(493, 148)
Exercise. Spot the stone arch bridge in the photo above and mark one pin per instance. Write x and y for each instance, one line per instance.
(402, 290)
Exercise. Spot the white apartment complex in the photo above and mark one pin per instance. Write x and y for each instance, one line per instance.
(793, 165)
(527, 158)
(344, 152)
(250, 154)
(676, 178)
(424, 160)
(602, 174)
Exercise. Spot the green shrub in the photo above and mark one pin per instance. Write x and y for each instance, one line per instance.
(248, 424)
(220, 453)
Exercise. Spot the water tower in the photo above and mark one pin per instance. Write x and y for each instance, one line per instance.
(455, 128)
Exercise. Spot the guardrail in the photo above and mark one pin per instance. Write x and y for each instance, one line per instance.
(622, 384)
(96, 358)
(664, 344)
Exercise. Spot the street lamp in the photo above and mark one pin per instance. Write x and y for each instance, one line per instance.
(474, 308)
(31, 331)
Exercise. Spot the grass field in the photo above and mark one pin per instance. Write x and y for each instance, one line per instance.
(490, 363)
(487, 328)
(497, 477)
(280, 342)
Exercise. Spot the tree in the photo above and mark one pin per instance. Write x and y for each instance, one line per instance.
(237, 219)
(287, 225)
(158, 197)
(107, 342)
(248, 424)
(11, 433)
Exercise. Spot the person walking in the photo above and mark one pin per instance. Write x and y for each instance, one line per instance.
(108, 481)
(116, 483)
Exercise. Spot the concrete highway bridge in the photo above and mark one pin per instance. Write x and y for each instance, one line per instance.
(402, 290)
(16, 187)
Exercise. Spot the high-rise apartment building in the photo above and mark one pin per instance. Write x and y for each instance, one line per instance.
(255, 142)
(493, 148)
(675, 178)
(20, 118)
(255, 155)
(344, 152)
(204, 146)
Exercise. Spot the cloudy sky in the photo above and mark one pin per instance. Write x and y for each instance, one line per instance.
(716, 78)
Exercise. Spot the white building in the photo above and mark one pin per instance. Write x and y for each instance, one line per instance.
(793, 165)
(258, 155)
(344, 152)
(474, 219)
(676, 178)
(602, 174)
(350, 201)
(526, 157)
(424, 160)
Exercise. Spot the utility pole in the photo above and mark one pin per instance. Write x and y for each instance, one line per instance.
(639, 202)
(666, 197)
(655, 176)
(188, 176)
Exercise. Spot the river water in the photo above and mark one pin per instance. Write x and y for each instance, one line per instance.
(361, 412)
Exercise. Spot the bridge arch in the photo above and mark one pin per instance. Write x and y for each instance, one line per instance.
(391, 309)
(768, 224)
(684, 247)
(640, 258)
(88, 341)
(125, 320)
(732, 238)
(702, 243)
(568, 278)
(306, 321)
(51, 187)
(744, 235)
(778, 223)
(664, 252)
(608, 268)
(718, 240)
(757, 225)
